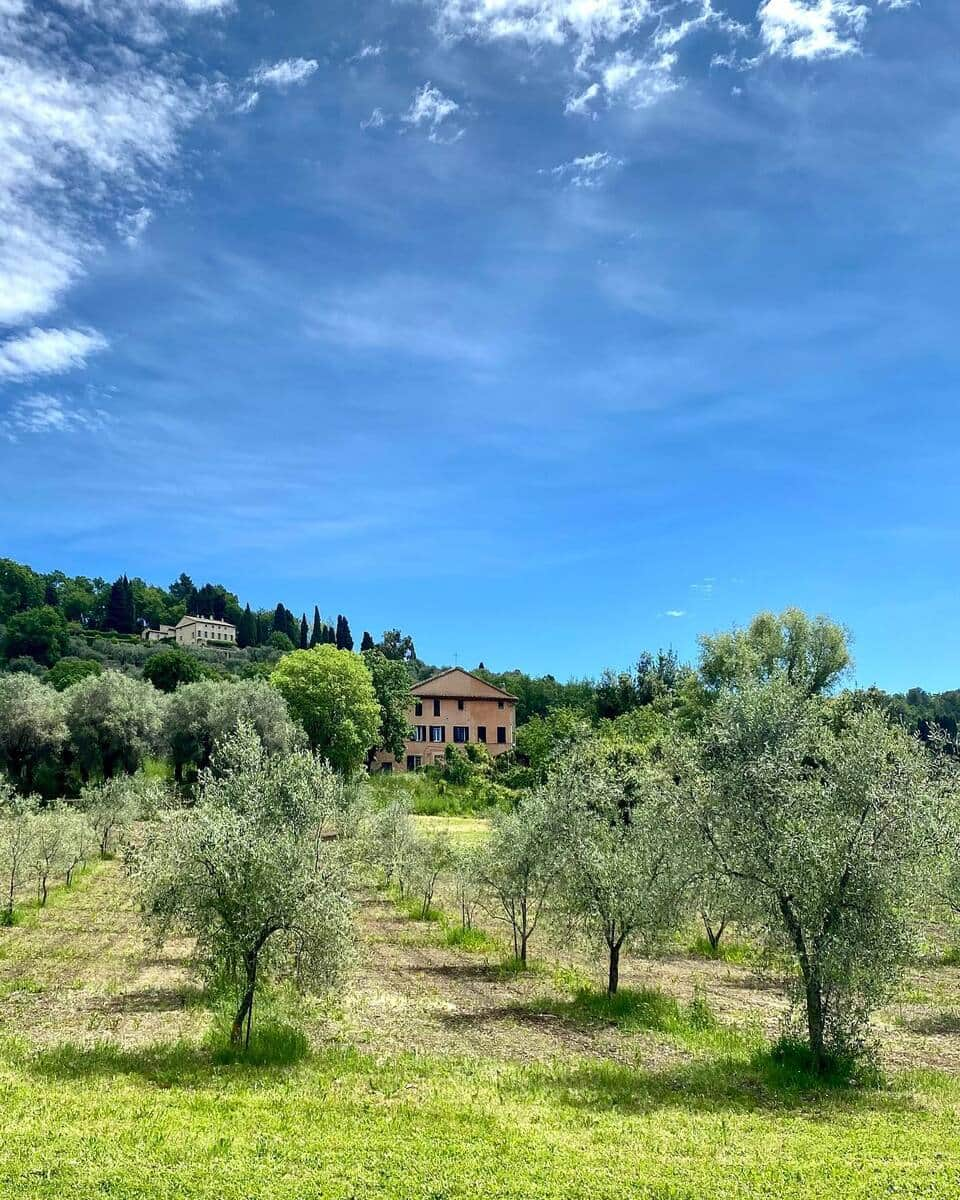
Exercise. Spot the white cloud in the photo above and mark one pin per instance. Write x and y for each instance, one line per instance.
(668, 36)
(586, 171)
(286, 73)
(76, 144)
(675, 612)
(638, 82)
(705, 587)
(429, 109)
(248, 103)
(144, 21)
(376, 120)
(43, 413)
(131, 227)
(810, 29)
(543, 21)
(48, 352)
(369, 51)
(580, 104)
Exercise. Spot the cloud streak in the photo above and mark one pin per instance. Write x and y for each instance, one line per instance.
(48, 352)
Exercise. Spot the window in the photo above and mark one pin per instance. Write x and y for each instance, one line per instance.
(414, 762)
(501, 735)
(481, 733)
(438, 733)
(386, 768)
(419, 733)
(418, 709)
(460, 706)
(436, 708)
(461, 733)
(499, 704)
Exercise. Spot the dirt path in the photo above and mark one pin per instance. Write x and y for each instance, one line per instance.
(82, 969)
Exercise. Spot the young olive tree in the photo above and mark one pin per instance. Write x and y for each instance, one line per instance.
(109, 807)
(394, 837)
(432, 855)
(468, 881)
(79, 841)
(519, 864)
(245, 873)
(49, 849)
(16, 845)
(826, 827)
(626, 866)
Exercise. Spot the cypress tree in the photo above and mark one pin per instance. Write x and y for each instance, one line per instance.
(246, 628)
(316, 637)
(303, 632)
(50, 596)
(280, 619)
(129, 608)
(329, 636)
(113, 618)
(366, 642)
(293, 628)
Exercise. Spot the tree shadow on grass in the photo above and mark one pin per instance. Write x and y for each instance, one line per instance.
(725, 1085)
(160, 999)
(942, 1022)
(274, 1048)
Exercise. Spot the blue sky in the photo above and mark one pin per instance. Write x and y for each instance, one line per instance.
(549, 330)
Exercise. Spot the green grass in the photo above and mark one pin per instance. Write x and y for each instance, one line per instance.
(474, 941)
(729, 950)
(173, 1123)
(692, 1024)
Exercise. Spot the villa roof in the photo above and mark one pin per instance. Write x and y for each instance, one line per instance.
(457, 684)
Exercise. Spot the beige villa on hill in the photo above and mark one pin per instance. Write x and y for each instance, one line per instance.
(454, 708)
(195, 631)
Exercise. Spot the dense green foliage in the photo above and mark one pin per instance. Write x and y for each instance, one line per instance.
(331, 694)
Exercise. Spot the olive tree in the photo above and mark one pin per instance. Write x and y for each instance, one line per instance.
(79, 839)
(432, 855)
(32, 728)
(49, 849)
(113, 723)
(246, 874)
(109, 807)
(394, 838)
(826, 826)
(626, 866)
(198, 716)
(519, 864)
(16, 845)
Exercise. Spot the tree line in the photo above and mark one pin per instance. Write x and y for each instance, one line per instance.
(37, 609)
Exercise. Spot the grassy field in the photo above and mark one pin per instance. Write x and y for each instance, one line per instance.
(443, 1073)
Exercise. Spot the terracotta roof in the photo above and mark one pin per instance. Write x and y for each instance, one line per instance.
(457, 684)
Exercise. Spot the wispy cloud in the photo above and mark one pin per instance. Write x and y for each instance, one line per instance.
(586, 171)
(286, 73)
(46, 414)
(675, 613)
(132, 226)
(428, 110)
(74, 142)
(48, 352)
(376, 120)
(704, 587)
(370, 50)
